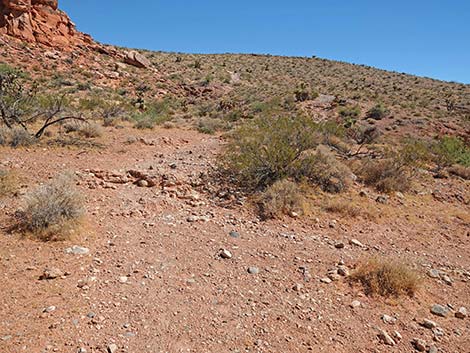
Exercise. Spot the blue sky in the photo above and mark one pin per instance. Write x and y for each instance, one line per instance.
(423, 37)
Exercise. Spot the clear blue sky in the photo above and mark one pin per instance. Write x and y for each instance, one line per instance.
(423, 37)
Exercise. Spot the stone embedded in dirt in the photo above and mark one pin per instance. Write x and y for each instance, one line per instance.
(49, 309)
(326, 280)
(461, 313)
(77, 250)
(51, 273)
(343, 270)
(192, 219)
(440, 310)
(234, 234)
(433, 349)
(339, 245)
(225, 254)
(138, 60)
(356, 243)
(397, 335)
(355, 304)
(382, 199)
(112, 348)
(388, 319)
(143, 183)
(447, 280)
(333, 223)
(433, 273)
(386, 338)
(298, 287)
(419, 344)
(123, 279)
(253, 270)
(429, 324)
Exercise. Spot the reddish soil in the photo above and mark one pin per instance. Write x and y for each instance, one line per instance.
(181, 296)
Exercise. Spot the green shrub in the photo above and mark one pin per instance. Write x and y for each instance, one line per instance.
(451, 150)
(378, 112)
(50, 208)
(284, 197)
(263, 150)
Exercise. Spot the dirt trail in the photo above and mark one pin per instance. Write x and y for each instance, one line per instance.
(153, 280)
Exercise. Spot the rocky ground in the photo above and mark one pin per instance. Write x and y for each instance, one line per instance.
(167, 264)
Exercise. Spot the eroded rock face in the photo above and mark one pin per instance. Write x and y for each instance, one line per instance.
(39, 21)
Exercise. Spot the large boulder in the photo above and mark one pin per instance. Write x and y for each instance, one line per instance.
(39, 21)
(136, 59)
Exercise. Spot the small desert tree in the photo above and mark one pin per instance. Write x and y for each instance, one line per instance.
(21, 106)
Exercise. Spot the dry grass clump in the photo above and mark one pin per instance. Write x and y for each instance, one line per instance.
(90, 130)
(460, 171)
(8, 182)
(52, 210)
(386, 278)
(322, 168)
(15, 137)
(342, 207)
(385, 176)
(284, 197)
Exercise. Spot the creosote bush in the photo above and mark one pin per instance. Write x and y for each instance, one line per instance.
(386, 278)
(284, 197)
(377, 112)
(451, 150)
(263, 151)
(52, 209)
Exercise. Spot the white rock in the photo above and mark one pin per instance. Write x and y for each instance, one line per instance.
(225, 254)
(385, 338)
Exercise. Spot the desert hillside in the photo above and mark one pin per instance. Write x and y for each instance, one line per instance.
(170, 202)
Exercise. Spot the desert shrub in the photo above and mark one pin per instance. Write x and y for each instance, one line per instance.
(4, 136)
(20, 137)
(262, 151)
(386, 278)
(90, 130)
(451, 150)
(8, 182)
(397, 170)
(342, 207)
(321, 167)
(51, 208)
(304, 93)
(377, 112)
(350, 115)
(284, 197)
(144, 123)
(209, 125)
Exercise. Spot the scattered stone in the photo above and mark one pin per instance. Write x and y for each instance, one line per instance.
(6, 338)
(461, 313)
(419, 344)
(49, 309)
(77, 250)
(192, 219)
(82, 350)
(123, 279)
(333, 223)
(356, 243)
(397, 335)
(225, 254)
(388, 319)
(382, 199)
(433, 349)
(447, 280)
(429, 324)
(234, 234)
(439, 310)
(325, 280)
(51, 273)
(142, 183)
(343, 271)
(253, 270)
(339, 245)
(385, 338)
(433, 273)
(355, 304)
(112, 348)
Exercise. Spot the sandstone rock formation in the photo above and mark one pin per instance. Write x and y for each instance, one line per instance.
(136, 59)
(39, 21)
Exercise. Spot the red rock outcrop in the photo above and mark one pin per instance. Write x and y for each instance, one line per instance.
(39, 21)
